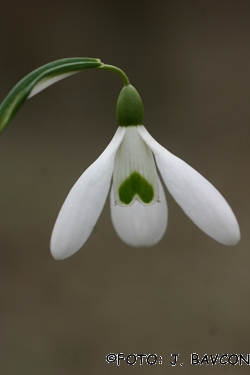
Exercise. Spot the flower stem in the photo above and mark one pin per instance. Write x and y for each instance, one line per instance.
(118, 71)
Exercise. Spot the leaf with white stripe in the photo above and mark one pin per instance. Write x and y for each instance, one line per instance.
(40, 79)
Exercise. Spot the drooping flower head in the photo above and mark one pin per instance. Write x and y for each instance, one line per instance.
(128, 168)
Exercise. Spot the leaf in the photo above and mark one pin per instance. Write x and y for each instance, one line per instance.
(40, 79)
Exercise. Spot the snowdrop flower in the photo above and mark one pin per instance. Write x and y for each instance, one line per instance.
(128, 169)
(137, 200)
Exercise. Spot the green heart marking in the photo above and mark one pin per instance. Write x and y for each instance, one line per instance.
(135, 184)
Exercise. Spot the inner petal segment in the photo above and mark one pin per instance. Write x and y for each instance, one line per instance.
(135, 176)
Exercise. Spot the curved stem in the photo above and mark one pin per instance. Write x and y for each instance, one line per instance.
(118, 71)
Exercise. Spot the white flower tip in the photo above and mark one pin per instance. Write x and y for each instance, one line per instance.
(233, 236)
(57, 255)
(60, 250)
(223, 228)
(64, 241)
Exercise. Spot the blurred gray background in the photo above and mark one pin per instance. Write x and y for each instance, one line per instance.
(190, 61)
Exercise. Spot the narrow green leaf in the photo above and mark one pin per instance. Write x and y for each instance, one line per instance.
(40, 79)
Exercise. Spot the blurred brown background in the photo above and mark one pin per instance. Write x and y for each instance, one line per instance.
(190, 61)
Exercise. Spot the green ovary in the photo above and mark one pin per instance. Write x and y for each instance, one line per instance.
(136, 184)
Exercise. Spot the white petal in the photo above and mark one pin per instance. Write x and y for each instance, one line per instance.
(135, 171)
(197, 197)
(84, 203)
(48, 81)
(139, 225)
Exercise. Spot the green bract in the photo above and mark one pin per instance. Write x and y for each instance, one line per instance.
(129, 108)
(38, 80)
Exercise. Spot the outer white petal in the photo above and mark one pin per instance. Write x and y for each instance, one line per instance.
(197, 197)
(139, 225)
(84, 203)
